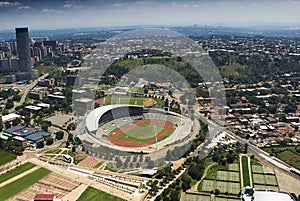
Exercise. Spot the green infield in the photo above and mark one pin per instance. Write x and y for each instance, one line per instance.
(16, 171)
(142, 133)
(92, 194)
(19, 185)
(5, 157)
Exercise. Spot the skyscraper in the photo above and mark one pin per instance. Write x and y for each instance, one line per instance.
(23, 49)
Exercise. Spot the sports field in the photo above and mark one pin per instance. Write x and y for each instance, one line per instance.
(141, 133)
(16, 171)
(5, 157)
(92, 194)
(228, 176)
(112, 100)
(17, 186)
(208, 185)
(194, 197)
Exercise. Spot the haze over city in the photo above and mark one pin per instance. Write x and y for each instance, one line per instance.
(79, 13)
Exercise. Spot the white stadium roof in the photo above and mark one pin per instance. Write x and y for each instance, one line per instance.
(271, 196)
(268, 195)
(92, 119)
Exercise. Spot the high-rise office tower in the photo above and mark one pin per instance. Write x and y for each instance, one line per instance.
(23, 49)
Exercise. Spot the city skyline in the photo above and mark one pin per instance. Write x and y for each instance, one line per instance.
(92, 13)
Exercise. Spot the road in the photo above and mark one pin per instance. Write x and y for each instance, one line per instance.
(30, 87)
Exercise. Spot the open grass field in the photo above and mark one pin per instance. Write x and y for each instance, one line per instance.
(92, 194)
(5, 157)
(16, 171)
(288, 154)
(245, 169)
(141, 133)
(290, 158)
(17, 186)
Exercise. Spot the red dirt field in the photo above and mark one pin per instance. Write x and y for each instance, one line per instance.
(126, 143)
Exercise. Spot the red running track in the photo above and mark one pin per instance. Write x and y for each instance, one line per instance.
(126, 143)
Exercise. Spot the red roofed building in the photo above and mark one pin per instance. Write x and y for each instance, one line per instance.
(44, 197)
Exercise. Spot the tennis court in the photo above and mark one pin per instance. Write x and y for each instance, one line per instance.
(208, 185)
(233, 188)
(222, 186)
(193, 197)
(234, 167)
(234, 176)
(258, 179)
(270, 180)
(257, 169)
(225, 199)
(222, 175)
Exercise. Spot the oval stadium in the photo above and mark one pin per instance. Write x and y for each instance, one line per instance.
(135, 128)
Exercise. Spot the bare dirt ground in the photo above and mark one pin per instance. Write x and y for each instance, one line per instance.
(288, 183)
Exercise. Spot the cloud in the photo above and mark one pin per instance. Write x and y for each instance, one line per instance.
(46, 10)
(9, 4)
(70, 5)
(23, 7)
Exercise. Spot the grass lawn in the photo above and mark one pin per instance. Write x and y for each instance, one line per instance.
(246, 176)
(53, 151)
(16, 171)
(287, 154)
(19, 185)
(92, 194)
(290, 158)
(5, 157)
(142, 133)
(45, 69)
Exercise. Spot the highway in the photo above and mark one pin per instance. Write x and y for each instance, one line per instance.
(28, 89)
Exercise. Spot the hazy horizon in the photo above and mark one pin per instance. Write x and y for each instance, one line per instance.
(58, 14)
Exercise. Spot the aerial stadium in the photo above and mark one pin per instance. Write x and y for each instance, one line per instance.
(135, 128)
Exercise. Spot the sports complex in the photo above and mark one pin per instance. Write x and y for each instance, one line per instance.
(135, 128)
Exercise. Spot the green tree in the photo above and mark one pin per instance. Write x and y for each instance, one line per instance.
(186, 182)
(49, 141)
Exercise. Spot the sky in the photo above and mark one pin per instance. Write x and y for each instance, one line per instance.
(46, 14)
